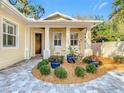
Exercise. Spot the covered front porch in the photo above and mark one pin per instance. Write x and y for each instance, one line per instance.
(48, 41)
(56, 33)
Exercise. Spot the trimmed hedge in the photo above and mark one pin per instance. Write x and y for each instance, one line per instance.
(91, 68)
(45, 70)
(60, 73)
(79, 71)
(43, 62)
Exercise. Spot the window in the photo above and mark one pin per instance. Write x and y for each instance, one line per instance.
(57, 39)
(74, 39)
(9, 34)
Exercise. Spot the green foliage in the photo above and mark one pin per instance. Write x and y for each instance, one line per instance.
(71, 51)
(86, 59)
(91, 68)
(59, 58)
(79, 71)
(118, 59)
(43, 62)
(110, 31)
(100, 63)
(44, 70)
(96, 17)
(30, 9)
(60, 73)
(118, 11)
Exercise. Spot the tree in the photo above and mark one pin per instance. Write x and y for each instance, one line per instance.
(97, 17)
(29, 9)
(117, 16)
(99, 32)
(118, 13)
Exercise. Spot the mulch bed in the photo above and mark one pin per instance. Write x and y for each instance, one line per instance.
(108, 65)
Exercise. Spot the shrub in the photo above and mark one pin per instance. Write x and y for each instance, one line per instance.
(43, 62)
(91, 68)
(79, 71)
(59, 58)
(45, 70)
(119, 59)
(86, 59)
(100, 63)
(60, 73)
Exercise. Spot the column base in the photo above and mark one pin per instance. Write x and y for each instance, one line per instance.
(27, 54)
(88, 52)
(46, 54)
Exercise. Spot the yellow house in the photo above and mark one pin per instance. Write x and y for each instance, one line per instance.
(22, 38)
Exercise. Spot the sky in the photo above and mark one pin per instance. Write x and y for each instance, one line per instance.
(78, 7)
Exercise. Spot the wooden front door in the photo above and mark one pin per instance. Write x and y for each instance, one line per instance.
(38, 42)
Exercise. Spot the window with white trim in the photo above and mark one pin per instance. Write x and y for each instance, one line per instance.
(57, 38)
(9, 34)
(74, 39)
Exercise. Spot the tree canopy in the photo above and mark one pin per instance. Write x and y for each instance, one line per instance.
(30, 9)
(113, 29)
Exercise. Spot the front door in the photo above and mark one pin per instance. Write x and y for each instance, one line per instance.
(38, 42)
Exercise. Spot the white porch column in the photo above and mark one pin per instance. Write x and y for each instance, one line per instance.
(67, 39)
(27, 42)
(46, 53)
(1, 36)
(88, 50)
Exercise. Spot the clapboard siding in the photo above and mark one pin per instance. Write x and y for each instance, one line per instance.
(9, 56)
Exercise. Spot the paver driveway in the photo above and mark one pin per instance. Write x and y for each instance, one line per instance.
(19, 79)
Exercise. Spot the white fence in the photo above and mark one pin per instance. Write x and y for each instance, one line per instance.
(108, 49)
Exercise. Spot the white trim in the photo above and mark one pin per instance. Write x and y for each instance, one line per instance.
(1, 32)
(17, 33)
(58, 13)
(69, 21)
(78, 39)
(55, 46)
(41, 41)
(13, 9)
(25, 54)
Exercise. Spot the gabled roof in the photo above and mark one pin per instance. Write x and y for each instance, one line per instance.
(59, 14)
(46, 19)
(6, 4)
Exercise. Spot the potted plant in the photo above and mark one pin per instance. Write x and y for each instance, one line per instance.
(71, 57)
(55, 62)
(91, 60)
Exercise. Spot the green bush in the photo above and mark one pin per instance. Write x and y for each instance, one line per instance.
(100, 63)
(43, 62)
(79, 71)
(86, 59)
(60, 73)
(119, 59)
(91, 68)
(45, 70)
(59, 58)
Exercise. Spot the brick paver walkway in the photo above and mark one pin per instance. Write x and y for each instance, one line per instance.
(19, 79)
